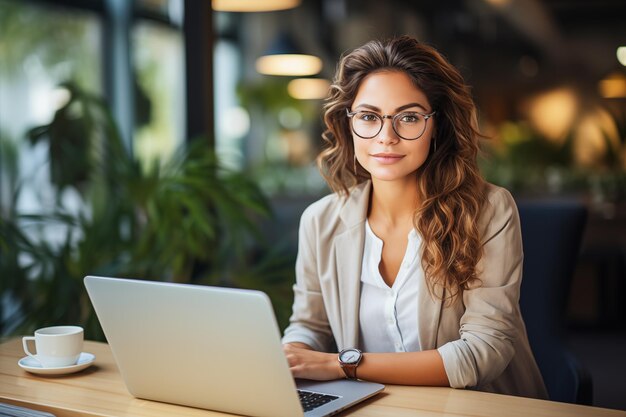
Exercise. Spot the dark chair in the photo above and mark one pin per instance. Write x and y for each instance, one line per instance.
(551, 234)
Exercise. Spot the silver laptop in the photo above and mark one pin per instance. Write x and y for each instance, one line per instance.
(208, 347)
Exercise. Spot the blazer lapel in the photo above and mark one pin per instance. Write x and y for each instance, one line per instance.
(348, 258)
(429, 314)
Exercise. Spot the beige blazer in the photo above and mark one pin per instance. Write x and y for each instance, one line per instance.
(481, 337)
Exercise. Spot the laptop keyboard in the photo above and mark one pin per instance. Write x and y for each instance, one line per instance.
(311, 400)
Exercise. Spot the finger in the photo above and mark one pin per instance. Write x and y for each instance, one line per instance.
(289, 348)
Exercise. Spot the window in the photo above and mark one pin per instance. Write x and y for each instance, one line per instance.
(158, 62)
(42, 47)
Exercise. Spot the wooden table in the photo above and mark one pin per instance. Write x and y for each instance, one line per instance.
(100, 391)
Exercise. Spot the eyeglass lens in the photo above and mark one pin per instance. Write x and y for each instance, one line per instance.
(408, 125)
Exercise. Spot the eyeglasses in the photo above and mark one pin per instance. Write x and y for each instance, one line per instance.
(409, 125)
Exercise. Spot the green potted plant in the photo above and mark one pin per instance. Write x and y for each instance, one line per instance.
(188, 220)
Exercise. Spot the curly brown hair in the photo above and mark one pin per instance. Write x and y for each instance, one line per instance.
(451, 188)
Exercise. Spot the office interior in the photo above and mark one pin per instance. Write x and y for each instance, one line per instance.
(148, 139)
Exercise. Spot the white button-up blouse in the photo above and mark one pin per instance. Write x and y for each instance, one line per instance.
(388, 315)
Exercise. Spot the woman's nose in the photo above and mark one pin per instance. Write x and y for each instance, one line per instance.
(387, 134)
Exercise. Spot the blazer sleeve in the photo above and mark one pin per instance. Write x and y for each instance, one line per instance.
(308, 322)
(491, 321)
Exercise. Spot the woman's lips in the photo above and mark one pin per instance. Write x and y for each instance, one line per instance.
(387, 158)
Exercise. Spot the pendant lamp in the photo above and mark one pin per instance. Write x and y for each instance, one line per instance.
(613, 85)
(253, 5)
(284, 57)
(308, 88)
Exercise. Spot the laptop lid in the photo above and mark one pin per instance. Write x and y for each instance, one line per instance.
(206, 347)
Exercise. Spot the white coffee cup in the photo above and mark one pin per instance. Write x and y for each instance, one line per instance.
(56, 346)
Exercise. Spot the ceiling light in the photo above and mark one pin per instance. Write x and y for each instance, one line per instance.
(284, 57)
(621, 55)
(308, 88)
(499, 3)
(289, 64)
(253, 5)
(613, 86)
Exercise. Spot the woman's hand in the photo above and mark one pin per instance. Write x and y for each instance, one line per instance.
(310, 364)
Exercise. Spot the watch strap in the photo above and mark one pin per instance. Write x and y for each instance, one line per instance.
(349, 370)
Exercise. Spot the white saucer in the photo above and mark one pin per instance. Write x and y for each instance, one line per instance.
(31, 365)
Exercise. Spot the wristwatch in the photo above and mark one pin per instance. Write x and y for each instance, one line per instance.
(349, 359)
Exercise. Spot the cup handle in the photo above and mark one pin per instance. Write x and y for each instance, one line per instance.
(25, 341)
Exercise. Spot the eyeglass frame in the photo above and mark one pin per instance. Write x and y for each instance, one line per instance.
(392, 117)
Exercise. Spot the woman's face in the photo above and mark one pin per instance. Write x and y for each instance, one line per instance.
(386, 156)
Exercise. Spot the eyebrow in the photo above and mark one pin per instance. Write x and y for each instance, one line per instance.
(403, 107)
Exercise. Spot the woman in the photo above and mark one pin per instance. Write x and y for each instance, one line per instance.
(412, 268)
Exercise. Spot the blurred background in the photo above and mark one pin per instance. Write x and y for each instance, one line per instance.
(170, 140)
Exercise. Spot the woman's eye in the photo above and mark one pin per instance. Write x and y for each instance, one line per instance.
(368, 117)
(409, 118)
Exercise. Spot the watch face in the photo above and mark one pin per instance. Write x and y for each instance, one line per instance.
(350, 356)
